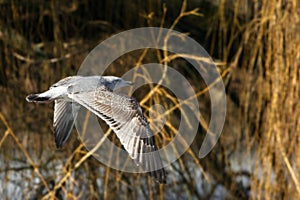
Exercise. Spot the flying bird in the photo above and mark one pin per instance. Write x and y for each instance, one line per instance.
(122, 114)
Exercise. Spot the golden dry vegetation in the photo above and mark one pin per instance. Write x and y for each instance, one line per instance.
(256, 46)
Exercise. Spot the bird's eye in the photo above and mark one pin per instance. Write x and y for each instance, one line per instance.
(116, 81)
(53, 86)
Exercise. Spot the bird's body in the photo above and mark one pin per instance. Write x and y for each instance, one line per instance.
(123, 114)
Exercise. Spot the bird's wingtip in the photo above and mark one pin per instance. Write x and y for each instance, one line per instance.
(159, 176)
(58, 143)
(58, 146)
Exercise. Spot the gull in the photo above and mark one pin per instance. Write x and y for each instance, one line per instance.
(122, 114)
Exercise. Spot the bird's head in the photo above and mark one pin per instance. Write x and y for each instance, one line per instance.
(116, 82)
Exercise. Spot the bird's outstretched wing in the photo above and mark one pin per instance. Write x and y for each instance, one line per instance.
(64, 117)
(124, 116)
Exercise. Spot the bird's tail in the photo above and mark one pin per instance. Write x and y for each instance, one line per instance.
(38, 98)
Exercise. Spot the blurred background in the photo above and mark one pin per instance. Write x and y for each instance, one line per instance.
(256, 47)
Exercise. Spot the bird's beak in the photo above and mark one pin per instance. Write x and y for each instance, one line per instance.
(129, 82)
